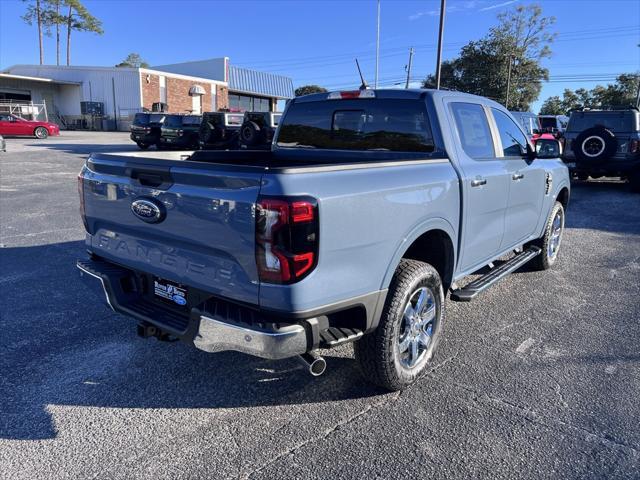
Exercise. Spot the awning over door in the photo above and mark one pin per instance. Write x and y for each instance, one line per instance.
(196, 90)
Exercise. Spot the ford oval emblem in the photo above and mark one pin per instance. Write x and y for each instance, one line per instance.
(148, 210)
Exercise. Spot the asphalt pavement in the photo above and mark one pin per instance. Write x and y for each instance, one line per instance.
(539, 377)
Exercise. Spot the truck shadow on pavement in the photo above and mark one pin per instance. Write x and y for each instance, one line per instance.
(62, 347)
(86, 148)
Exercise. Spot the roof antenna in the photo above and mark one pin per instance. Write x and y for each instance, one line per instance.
(364, 85)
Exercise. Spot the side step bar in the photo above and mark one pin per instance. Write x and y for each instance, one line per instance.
(467, 293)
(333, 336)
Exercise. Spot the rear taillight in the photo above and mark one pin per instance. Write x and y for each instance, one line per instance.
(81, 195)
(634, 146)
(286, 238)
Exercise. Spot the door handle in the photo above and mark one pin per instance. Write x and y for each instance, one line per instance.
(518, 176)
(478, 182)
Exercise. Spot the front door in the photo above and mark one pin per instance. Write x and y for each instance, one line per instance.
(8, 125)
(526, 179)
(196, 105)
(485, 186)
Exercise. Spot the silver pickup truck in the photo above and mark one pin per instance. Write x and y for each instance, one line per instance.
(370, 207)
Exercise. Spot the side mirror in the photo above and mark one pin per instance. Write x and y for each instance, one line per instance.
(536, 131)
(547, 148)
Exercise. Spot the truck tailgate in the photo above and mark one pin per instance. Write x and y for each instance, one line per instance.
(205, 235)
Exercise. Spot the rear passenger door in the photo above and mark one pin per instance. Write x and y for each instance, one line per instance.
(485, 185)
(526, 179)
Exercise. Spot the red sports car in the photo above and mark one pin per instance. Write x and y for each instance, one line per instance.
(10, 126)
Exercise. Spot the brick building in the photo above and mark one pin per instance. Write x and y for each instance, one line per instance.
(191, 87)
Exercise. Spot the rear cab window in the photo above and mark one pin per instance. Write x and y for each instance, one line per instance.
(614, 121)
(473, 130)
(392, 125)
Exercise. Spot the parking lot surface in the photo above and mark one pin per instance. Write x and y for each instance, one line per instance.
(539, 377)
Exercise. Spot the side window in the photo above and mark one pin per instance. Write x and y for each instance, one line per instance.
(514, 142)
(473, 128)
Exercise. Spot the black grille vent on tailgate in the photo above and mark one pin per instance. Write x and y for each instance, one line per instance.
(173, 321)
(230, 312)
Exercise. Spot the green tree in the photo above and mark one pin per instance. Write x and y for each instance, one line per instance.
(133, 60)
(78, 18)
(621, 93)
(522, 39)
(54, 18)
(570, 100)
(552, 106)
(37, 13)
(307, 89)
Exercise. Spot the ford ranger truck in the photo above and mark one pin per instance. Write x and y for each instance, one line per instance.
(370, 206)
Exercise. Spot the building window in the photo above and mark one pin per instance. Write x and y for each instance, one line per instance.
(163, 89)
(248, 103)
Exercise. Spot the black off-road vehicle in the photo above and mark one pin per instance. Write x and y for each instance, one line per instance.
(220, 130)
(145, 129)
(181, 132)
(258, 129)
(602, 143)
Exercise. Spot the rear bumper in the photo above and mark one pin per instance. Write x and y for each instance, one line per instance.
(143, 138)
(208, 330)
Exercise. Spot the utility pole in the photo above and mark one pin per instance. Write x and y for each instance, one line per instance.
(443, 8)
(409, 68)
(377, 44)
(506, 102)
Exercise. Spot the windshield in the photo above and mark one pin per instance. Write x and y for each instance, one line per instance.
(147, 118)
(359, 124)
(615, 121)
(548, 122)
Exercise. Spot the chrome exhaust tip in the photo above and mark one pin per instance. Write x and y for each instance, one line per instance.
(314, 362)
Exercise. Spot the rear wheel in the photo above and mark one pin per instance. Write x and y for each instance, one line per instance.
(397, 353)
(551, 240)
(41, 132)
(142, 146)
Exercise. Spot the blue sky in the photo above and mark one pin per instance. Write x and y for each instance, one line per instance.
(316, 41)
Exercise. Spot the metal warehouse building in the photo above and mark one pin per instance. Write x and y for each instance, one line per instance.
(117, 93)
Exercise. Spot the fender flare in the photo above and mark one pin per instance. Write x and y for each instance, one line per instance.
(425, 226)
(542, 223)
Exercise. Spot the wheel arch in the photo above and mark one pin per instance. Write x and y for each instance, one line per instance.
(433, 242)
(563, 196)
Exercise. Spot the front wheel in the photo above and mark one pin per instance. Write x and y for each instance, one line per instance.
(41, 132)
(398, 352)
(551, 240)
(142, 146)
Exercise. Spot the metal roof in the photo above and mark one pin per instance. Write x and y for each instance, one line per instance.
(259, 83)
(36, 79)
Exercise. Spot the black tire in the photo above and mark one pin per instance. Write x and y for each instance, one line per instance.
(378, 353)
(594, 146)
(250, 133)
(41, 133)
(549, 255)
(142, 146)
